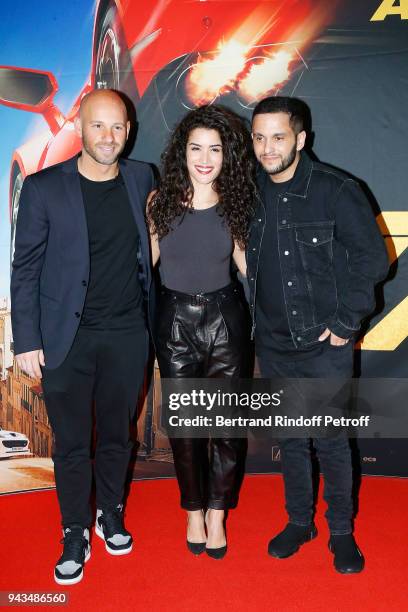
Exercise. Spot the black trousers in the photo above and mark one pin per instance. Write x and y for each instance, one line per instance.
(333, 453)
(205, 336)
(105, 367)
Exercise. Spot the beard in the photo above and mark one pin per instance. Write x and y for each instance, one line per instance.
(285, 162)
(99, 156)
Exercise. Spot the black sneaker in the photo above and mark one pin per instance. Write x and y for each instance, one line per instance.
(288, 541)
(348, 558)
(77, 551)
(109, 526)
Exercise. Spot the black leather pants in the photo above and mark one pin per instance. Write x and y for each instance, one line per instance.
(205, 335)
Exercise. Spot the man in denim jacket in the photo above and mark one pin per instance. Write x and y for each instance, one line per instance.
(314, 256)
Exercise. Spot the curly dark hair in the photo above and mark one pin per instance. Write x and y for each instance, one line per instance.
(235, 185)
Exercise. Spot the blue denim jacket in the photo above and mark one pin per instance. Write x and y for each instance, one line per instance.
(331, 252)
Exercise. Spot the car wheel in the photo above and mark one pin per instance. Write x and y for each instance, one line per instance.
(113, 67)
(15, 192)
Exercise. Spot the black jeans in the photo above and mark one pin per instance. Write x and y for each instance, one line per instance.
(333, 453)
(106, 367)
(200, 336)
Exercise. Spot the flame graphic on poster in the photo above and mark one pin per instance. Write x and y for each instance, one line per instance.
(268, 74)
(230, 69)
(211, 77)
(260, 55)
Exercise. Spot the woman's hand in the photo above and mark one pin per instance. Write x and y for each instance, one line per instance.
(154, 240)
(240, 260)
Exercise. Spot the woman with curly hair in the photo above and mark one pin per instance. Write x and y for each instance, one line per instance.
(199, 220)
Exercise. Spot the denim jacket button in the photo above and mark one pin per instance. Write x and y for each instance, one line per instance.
(314, 239)
(285, 199)
(254, 249)
(290, 283)
(260, 220)
(283, 221)
(286, 253)
(299, 338)
(294, 312)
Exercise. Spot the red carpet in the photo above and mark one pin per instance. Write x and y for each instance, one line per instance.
(160, 574)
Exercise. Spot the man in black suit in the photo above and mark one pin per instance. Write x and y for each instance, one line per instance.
(80, 282)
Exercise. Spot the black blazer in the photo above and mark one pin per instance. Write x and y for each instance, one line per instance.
(50, 270)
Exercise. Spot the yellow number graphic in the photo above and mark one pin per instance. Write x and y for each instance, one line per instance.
(388, 333)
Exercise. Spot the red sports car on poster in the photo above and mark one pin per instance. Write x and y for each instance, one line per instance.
(167, 56)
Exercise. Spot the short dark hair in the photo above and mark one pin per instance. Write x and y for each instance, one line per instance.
(295, 108)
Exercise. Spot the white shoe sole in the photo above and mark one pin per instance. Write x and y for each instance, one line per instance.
(70, 581)
(116, 553)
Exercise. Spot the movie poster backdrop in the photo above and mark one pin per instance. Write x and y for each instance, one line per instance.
(347, 60)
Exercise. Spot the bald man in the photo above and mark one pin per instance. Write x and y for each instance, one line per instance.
(80, 303)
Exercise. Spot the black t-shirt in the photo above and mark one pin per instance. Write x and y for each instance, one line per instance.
(272, 328)
(114, 298)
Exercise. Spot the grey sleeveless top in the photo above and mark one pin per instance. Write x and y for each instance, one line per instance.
(195, 255)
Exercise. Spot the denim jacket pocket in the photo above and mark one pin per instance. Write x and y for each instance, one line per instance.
(315, 245)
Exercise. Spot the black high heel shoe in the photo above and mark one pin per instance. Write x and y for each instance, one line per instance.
(216, 553)
(196, 547)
